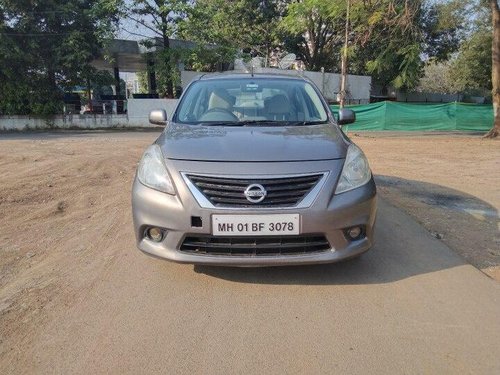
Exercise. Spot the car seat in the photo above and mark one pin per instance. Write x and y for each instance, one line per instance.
(219, 98)
(278, 108)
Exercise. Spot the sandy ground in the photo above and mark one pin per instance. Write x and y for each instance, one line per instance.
(71, 278)
(448, 183)
(61, 197)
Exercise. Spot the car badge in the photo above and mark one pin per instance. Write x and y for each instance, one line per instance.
(255, 193)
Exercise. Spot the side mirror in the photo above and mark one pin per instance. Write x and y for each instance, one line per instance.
(158, 117)
(346, 116)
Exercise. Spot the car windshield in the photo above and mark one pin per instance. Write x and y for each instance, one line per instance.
(251, 101)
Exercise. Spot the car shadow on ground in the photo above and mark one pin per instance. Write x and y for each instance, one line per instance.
(469, 225)
(403, 248)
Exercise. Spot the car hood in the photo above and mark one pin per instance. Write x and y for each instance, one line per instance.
(252, 143)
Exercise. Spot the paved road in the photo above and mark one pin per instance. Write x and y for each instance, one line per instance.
(409, 306)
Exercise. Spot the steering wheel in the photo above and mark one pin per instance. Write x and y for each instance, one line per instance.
(219, 114)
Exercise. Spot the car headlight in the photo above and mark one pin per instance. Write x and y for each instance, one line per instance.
(152, 171)
(356, 171)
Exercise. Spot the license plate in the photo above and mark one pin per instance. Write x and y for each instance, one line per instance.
(255, 225)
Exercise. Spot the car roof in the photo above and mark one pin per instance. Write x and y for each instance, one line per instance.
(233, 75)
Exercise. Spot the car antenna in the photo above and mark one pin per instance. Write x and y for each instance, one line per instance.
(251, 69)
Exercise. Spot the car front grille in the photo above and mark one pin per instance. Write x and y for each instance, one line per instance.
(229, 192)
(254, 246)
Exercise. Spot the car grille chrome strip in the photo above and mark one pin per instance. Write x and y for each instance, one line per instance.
(255, 246)
(297, 191)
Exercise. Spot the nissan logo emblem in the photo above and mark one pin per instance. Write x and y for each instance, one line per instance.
(255, 193)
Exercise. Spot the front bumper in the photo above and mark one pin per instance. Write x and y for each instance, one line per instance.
(329, 215)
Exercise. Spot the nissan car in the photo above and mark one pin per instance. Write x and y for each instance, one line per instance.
(253, 170)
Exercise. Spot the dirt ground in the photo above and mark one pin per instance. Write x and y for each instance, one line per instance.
(60, 197)
(65, 208)
(448, 183)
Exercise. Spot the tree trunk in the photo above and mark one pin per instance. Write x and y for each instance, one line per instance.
(51, 79)
(343, 79)
(166, 46)
(495, 10)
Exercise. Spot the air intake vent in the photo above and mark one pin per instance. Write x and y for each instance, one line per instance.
(254, 246)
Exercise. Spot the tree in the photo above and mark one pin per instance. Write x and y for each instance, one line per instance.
(401, 34)
(391, 42)
(46, 47)
(209, 26)
(223, 29)
(495, 76)
(142, 78)
(444, 26)
(161, 18)
(316, 32)
(471, 70)
(387, 38)
(438, 79)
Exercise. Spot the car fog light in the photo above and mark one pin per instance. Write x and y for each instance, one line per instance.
(155, 234)
(354, 233)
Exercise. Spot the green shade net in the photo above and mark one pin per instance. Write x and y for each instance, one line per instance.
(393, 116)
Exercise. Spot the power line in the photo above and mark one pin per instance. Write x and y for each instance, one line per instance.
(20, 13)
(45, 34)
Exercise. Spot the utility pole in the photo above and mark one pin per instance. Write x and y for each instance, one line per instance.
(343, 81)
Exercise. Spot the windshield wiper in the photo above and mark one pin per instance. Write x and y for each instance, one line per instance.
(304, 123)
(244, 123)
(219, 123)
(260, 123)
(280, 123)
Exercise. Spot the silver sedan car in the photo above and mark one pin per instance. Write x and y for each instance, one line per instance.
(253, 170)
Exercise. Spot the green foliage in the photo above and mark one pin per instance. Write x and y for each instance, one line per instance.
(222, 29)
(391, 43)
(167, 74)
(444, 26)
(376, 43)
(468, 71)
(142, 77)
(437, 79)
(387, 38)
(316, 31)
(209, 58)
(162, 18)
(46, 48)
(471, 69)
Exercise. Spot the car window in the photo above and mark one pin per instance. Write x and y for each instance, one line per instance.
(251, 100)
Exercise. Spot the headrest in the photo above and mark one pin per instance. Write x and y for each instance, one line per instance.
(221, 99)
(278, 104)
